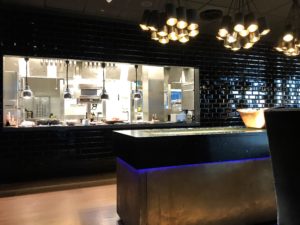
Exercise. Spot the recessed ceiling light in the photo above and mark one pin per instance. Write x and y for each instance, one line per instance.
(108, 1)
(146, 4)
(211, 14)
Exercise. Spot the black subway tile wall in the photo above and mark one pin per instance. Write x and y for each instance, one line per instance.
(28, 154)
(258, 78)
(262, 85)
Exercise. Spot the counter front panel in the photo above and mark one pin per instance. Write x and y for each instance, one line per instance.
(171, 147)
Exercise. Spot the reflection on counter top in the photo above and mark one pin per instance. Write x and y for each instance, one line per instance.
(143, 148)
(187, 131)
(116, 126)
(102, 123)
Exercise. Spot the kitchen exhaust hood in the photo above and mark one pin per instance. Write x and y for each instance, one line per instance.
(89, 93)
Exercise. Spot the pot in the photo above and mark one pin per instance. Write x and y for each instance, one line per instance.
(253, 117)
(48, 122)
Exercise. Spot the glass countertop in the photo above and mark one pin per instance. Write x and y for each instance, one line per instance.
(187, 131)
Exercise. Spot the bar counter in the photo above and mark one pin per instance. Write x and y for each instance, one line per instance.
(192, 176)
(170, 147)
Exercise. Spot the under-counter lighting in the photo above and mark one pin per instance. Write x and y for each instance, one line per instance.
(27, 93)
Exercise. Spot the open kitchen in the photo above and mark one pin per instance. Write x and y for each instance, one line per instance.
(63, 92)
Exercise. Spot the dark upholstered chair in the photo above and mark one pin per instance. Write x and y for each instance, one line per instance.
(283, 128)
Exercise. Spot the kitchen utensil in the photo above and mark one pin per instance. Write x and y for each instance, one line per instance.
(253, 118)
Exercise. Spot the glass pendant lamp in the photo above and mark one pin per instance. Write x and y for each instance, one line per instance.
(144, 24)
(27, 93)
(171, 14)
(67, 92)
(182, 19)
(173, 34)
(137, 94)
(104, 94)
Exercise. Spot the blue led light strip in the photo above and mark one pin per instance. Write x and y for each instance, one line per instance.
(184, 166)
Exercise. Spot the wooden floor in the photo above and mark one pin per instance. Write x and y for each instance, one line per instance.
(84, 206)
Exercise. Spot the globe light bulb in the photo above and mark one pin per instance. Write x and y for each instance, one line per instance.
(223, 32)
(288, 37)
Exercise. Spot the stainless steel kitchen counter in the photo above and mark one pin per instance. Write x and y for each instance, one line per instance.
(120, 126)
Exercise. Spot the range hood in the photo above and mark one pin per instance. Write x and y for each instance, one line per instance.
(89, 93)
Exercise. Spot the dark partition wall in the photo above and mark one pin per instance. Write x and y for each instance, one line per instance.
(259, 77)
(28, 154)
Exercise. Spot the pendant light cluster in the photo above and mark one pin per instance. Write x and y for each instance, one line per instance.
(27, 93)
(104, 95)
(137, 94)
(289, 43)
(175, 24)
(242, 29)
(67, 93)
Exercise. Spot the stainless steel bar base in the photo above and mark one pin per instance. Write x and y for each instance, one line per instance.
(226, 193)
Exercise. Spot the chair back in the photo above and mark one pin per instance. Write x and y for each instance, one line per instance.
(283, 129)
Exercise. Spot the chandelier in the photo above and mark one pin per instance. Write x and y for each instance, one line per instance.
(242, 29)
(289, 43)
(175, 24)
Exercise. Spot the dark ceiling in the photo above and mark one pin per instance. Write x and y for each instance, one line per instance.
(131, 10)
